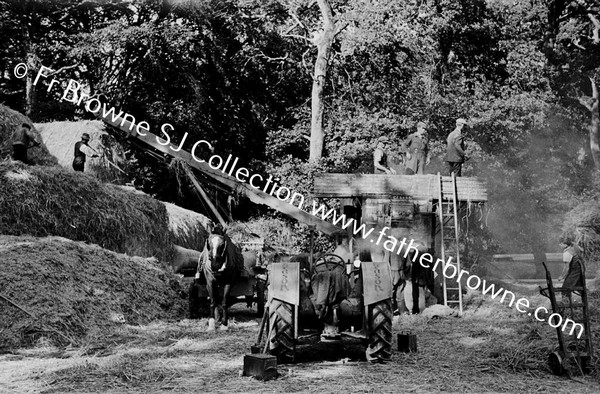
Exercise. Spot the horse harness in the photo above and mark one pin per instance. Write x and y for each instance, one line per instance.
(207, 249)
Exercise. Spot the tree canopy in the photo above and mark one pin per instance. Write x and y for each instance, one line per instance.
(242, 74)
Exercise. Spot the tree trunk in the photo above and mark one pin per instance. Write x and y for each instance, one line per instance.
(323, 40)
(595, 127)
(29, 88)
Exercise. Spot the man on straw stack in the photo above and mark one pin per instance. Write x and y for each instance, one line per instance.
(417, 150)
(21, 139)
(82, 150)
(380, 157)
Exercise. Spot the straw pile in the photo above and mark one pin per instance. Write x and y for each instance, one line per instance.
(9, 121)
(73, 293)
(60, 138)
(583, 222)
(188, 228)
(42, 201)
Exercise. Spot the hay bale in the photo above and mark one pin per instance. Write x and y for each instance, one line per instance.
(78, 293)
(43, 201)
(188, 228)
(9, 121)
(60, 138)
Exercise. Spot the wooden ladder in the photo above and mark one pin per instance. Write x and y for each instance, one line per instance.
(449, 230)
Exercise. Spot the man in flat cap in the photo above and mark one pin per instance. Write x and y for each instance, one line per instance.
(455, 152)
(82, 150)
(380, 157)
(416, 147)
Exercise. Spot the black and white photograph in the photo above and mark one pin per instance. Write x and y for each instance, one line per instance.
(299, 196)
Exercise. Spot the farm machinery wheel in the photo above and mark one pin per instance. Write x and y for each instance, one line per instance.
(281, 331)
(561, 363)
(379, 346)
(331, 262)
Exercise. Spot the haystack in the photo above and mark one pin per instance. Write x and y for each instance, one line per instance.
(188, 228)
(43, 201)
(9, 121)
(60, 138)
(74, 293)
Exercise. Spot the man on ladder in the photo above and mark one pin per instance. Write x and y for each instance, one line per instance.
(455, 152)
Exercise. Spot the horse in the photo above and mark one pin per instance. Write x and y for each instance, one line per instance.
(222, 263)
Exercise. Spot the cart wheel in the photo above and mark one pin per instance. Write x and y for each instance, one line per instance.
(555, 363)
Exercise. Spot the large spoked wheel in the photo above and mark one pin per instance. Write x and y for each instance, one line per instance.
(330, 261)
(281, 331)
(379, 346)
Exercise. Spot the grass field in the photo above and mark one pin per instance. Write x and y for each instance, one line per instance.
(490, 349)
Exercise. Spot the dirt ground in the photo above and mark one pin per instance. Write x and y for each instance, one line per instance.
(488, 350)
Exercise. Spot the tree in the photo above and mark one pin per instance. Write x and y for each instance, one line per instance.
(40, 33)
(592, 106)
(572, 47)
(323, 40)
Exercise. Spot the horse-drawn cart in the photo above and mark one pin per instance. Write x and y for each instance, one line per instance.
(250, 286)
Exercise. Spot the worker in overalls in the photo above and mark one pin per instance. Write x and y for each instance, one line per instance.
(571, 274)
(21, 139)
(455, 151)
(342, 249)
(81, 151)
(380, 163)
(417, 150)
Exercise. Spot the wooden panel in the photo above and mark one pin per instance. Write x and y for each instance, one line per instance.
(419, 187)
(377, 284)
(284, 282)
